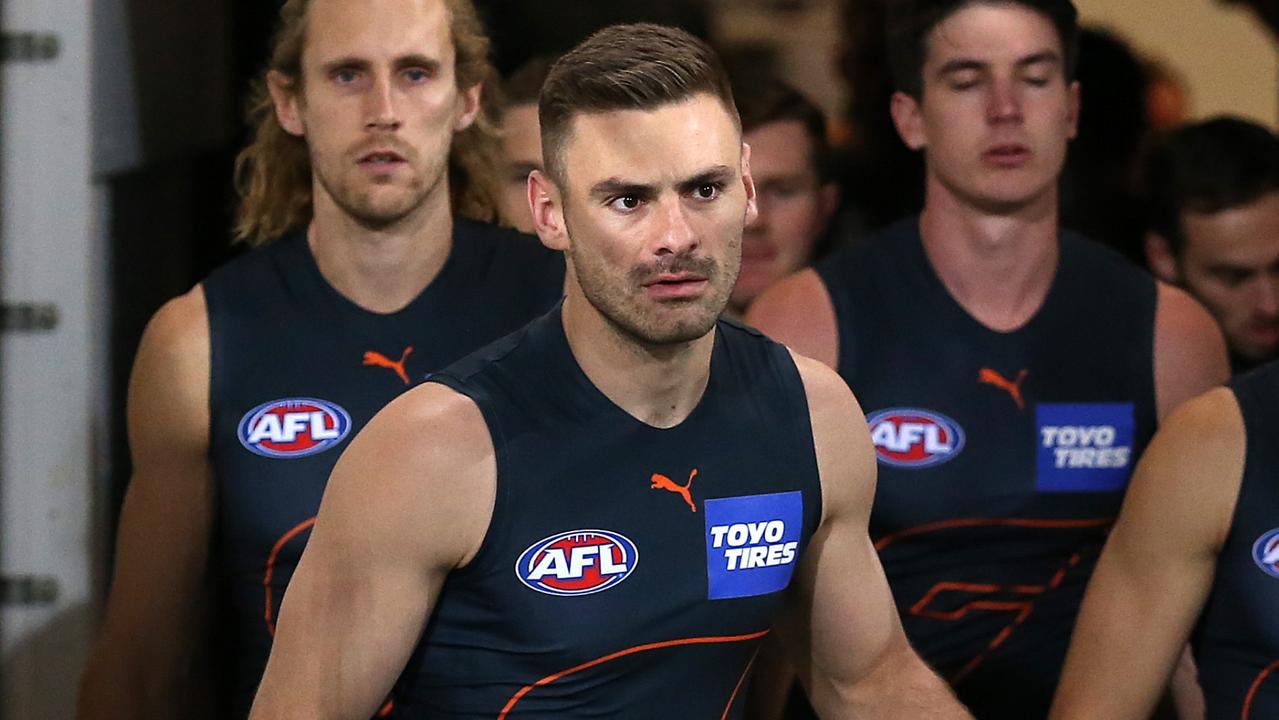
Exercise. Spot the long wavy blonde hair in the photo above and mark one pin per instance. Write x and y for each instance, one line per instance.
(273, 173)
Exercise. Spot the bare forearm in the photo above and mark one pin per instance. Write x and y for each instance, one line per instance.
(1121, 654)
(900, 686)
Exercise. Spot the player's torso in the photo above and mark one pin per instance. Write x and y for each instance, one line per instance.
(1237, 641)
(628, 571)
(1002, 456)
(297, 372)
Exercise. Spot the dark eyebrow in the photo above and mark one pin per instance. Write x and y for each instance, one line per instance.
(421, 61)
(613, 187)
(718, 174)
(353, 63)
(1047, 57)
(1225, 267)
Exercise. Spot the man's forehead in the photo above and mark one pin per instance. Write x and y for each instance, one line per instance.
(665, 143)
(781, 144)
(999, 31)
(377, 29)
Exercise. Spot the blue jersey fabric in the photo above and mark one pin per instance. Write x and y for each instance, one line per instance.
(1003, 456)
(297, 370)
(628, 571)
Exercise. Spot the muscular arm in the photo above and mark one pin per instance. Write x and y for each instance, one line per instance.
(141, 665)
(1157, 568)
(408, 502)
(798, 313)
(1190, 353)
(844, 632)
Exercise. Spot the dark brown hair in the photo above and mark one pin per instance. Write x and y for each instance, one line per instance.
(911, 23)
(764, 99)
(626, 67)
(1206, 168)
(273, 173)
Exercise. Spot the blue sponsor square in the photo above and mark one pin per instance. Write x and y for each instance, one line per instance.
(1084, 447)
(747, 552)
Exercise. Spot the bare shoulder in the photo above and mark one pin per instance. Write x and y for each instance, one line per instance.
(169, 386)
(845, 456)
(1190, 353)
(425, 468)
(1203, 430)
(1190, 474)
(798, 312)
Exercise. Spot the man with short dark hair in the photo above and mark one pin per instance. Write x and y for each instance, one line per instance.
(1213, 193)
(1012, 372)
(520, 140)
(601, 515)
(247, 388)
(794, 192)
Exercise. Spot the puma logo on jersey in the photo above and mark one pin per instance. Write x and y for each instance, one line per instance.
(377, 359)
(1012, 387)
(661, 482)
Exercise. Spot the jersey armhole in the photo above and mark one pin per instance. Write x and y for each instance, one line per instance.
(803, 437)
(494, 533)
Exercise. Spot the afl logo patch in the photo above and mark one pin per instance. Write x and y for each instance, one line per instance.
(914, 438)
(1265, 552)
(293, 428)
(580, 562)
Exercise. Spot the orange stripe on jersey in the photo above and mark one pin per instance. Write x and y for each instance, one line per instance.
(737, 688)
(510, 704)
(269, 615)
(1256, 685)
(1063, 524)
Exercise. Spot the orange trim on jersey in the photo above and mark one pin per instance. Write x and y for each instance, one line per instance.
(510, 704)
(1023, 609)
(1062, 524)
(269, 615)
(1256, 685)
(737, 688)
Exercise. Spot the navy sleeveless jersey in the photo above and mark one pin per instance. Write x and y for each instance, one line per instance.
(297, 370)
(1237, 640)
(1003, 457)
(628, 571)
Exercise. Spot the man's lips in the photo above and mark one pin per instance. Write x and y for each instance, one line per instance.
(1263, 334)
(676, 286)
(377, 159)
(1007, 155)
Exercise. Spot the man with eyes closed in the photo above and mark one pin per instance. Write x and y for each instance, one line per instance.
(365, 277)
(1011, 372)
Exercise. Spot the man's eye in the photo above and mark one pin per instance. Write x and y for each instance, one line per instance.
(709, 191)
(346, 76)
(417, 75)
(625, 203)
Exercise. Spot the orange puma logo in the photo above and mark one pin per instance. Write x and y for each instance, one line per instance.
(1013, 387)
(377, 359)
(667, 484)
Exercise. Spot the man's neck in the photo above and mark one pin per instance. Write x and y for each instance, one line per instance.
(657, 385)
(383, 269)
(998, 267)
